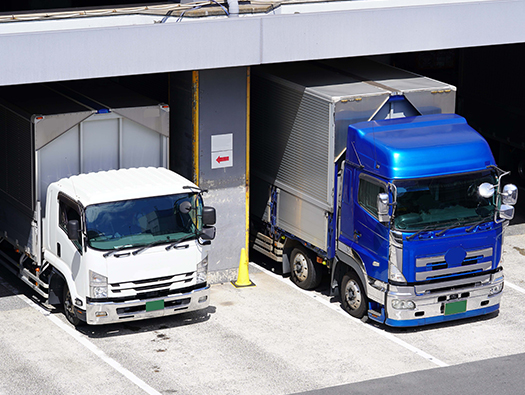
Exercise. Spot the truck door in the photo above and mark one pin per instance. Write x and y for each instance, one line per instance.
(346, 218)
(68, 251)
(370, 236)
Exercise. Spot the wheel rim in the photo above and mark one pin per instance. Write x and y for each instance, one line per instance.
(300, 267)
(68, 306)
(353, 295)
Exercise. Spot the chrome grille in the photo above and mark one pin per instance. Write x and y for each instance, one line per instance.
(434, 267)
(152, 286)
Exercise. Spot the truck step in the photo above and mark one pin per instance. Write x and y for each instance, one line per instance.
(35, 287)
(277, 258)
(268, 240)
(268, 246)
(25, 275)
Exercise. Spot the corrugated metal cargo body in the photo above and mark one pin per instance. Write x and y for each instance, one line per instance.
(52, 131)
(300, 119)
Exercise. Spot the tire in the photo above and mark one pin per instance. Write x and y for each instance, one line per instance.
(69, 308)
(305, 273)
(353, 296)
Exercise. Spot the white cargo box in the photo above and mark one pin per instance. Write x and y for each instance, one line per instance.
(54, 131)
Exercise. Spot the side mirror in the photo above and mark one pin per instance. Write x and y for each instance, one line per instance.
(208, 233)
(382, 207)
(185, 207)
(506, 212)
(486, 190)
(73, 229)
(509, 194)
(208, 216)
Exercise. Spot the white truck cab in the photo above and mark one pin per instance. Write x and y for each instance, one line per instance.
(126, 244)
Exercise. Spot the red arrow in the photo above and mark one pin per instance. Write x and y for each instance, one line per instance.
(222, 159)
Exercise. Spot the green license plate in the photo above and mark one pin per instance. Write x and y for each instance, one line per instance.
(155, 305)
(456, 307)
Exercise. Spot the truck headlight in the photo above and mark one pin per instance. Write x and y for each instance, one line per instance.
(202, 271)
(98, 285)
(496, 289)
(403, 304)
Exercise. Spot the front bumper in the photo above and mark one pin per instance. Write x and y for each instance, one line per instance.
(444, 301)
(99, 313)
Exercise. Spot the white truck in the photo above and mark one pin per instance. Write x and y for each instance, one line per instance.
(90, 217)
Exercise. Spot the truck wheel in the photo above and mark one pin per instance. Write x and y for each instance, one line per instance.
(353, 297)
(67, 305)
(305, 273)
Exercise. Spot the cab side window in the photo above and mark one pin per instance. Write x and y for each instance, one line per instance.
(367, 195)
(68, 211)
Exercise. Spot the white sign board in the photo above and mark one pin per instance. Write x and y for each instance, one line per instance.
(221, 151)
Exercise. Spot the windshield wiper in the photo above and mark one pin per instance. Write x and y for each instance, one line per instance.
(184, 238)
(117, 249)
(484, 219)
(457, 223)
(195, 189)
(428, 227)
(153, 243)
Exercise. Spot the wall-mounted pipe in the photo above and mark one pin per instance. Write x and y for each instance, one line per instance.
(233, 7)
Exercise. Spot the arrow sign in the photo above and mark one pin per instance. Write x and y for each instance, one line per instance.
(221, 151)
(222, 159)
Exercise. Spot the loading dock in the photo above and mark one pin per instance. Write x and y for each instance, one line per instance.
(207, 82)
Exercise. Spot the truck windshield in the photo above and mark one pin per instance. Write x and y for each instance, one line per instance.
(433, 203)
(140, 222)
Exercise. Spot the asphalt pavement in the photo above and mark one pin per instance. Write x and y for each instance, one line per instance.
(501, 376)
(269, 339)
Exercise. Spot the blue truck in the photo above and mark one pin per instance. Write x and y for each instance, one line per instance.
(363, 171)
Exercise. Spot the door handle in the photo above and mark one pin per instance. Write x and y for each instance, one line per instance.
(357, 235)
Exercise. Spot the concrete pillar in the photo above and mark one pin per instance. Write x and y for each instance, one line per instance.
(215, 136)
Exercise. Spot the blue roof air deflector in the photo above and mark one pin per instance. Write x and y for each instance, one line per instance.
(421, 146)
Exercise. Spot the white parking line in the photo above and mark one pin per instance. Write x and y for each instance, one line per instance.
(338, 309)
(514, 287)
(84, 341)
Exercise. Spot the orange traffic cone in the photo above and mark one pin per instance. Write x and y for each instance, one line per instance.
(243, 278)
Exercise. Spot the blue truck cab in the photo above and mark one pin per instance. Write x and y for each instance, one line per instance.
(415, 218)
(363, 170)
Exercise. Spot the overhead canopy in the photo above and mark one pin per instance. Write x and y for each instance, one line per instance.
(105, 46)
